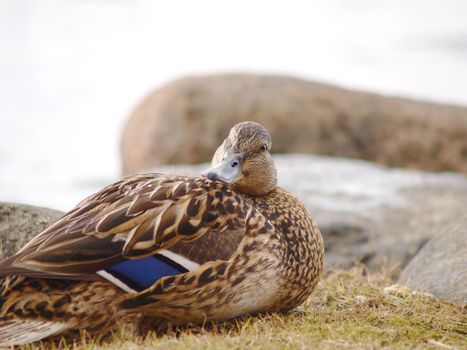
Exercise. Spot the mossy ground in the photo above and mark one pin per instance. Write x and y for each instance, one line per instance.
(349, 309)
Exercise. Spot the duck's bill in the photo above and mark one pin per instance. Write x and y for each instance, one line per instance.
(229, 170)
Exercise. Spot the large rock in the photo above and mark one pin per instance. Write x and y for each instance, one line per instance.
(186, 120)
(19, 223)
(368, 212)
(440, 268)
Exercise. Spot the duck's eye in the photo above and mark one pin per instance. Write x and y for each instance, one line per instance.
(264, 148)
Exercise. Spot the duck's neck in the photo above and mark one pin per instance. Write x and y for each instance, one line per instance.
(259, 187)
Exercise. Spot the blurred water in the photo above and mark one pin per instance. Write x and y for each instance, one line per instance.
(71, 71)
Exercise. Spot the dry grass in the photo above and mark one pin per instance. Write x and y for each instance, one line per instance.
(349, 309)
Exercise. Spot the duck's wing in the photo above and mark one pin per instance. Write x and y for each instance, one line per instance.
(194, 218)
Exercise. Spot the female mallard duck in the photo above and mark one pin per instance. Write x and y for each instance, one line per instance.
(178, 249)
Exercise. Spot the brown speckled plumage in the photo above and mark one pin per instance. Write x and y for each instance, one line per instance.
(257, 247)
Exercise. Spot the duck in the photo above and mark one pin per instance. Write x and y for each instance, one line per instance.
(179, 249)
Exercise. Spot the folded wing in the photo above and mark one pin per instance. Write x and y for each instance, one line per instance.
(185, 220)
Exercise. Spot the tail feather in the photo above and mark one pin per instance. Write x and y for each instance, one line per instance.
(23, 331)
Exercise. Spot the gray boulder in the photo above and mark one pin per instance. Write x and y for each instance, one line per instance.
(20, 222)
(367, 212)
(440, 267)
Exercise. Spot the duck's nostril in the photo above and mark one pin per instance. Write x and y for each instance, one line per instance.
(212, 176)
(234, 164)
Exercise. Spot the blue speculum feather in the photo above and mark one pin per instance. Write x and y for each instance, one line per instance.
(140, 274)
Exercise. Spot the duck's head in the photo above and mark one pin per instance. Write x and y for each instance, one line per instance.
(244, 160)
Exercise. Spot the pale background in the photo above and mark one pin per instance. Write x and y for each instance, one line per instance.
(71, 71)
